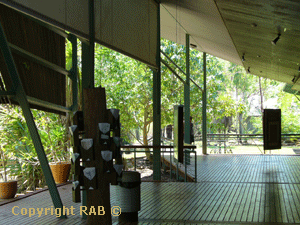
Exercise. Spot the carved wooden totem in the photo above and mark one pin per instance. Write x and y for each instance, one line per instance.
(97, 160)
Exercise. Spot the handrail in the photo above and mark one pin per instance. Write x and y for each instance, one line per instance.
(156, 146)
(219, 134)
(187, 149)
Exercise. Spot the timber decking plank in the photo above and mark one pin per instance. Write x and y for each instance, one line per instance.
(287, 204)
(293, 199)
(263, 202)
(233, 203)
(278, 205)
(176, 203)
(252, 215)
(210, 203)
(202, 205)
(159, 207)
(228, 204)
(238, 200)
(243, 202)
(188, 207)
(218, 202)
(267, 211)
(207, 204)
(203, 189)
(149, 210)
(283, 208)
(247, 204)
(273, 202)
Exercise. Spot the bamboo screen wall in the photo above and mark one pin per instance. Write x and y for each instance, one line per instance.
(129, 27)
(38, 81)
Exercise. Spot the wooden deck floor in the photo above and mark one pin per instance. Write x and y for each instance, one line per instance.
(231, 189)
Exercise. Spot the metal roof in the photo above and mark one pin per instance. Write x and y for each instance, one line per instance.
(229, 29)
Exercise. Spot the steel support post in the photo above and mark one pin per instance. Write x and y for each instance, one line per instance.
(187, 130)
(157, 106)
(187, 125)
(21, 98)
(88, 63)
(173, 71)
(204, 126)
(38, 59)
(88, 50)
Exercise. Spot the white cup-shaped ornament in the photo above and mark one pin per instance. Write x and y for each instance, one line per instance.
(75, 184)
(104, 127)
(117, 141)
(115, 113)
(106, 155)
(72, 129)
(89, 172)
(75, 156)
(118, 168)
(87, 143)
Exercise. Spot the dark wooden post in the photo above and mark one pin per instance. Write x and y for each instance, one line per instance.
(95, 112)
(97, 149)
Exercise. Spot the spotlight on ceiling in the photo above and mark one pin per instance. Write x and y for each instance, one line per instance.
(293, 80)
(276, 39)
(193, 46)
(243, 58)
(299, 69)
(248, 70)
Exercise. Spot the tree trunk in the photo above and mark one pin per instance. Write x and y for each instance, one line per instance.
(4, 165)
(145, 141)
(145, 135)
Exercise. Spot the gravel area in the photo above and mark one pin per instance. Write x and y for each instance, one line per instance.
(145, 168)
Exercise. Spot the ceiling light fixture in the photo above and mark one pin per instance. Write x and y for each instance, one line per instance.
(243, 58)
(299, 69)
(193, 46)
(248, 70)
(296, 78)
(276, 39)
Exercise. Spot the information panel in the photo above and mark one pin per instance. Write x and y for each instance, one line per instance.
(178, 133)
(272, 129)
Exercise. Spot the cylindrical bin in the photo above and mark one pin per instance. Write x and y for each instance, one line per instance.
(129, 196)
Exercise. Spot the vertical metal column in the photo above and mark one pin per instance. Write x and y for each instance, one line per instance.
(187, 125)
(187, 130)
(21, 98)
(88, 51)
(157, 107)
(204, 126)
(88, 63)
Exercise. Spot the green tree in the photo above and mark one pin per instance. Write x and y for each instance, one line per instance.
(289, 106)
(16, 141)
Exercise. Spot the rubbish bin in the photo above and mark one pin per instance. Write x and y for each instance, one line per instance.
(129, 196)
